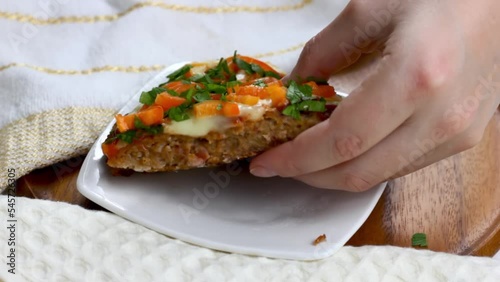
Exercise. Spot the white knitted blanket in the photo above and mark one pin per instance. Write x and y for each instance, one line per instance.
(62, 242)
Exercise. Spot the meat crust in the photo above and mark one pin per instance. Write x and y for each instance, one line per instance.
(167, 152)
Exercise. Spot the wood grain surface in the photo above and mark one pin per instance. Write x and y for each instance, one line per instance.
(456, 202)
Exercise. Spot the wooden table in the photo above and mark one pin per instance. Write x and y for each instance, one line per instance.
(456, 202)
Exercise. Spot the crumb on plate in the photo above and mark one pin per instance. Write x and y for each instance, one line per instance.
(321, 238)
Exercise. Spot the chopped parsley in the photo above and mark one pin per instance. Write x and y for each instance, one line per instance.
(251, 68)
(180, 73)
(296, 93)
(312, 106)
(197, 77)
(218, 81)
(178, 113)
(272, 74)
(130, 135)
(242, 64)
(202, 96)
(221, 71)
(202, 78)
(292, 111)
(305, 106)
(223, 97)
(172, 92)
(155, 129)
(127, 137)
(231, 84)
(260, 83)
(225, 67)
(300, 97)
(215, 88)
(419, 240)
(149, 97)
(257, 69)
(188, 94)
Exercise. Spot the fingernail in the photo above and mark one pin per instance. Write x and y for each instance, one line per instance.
(262, 172)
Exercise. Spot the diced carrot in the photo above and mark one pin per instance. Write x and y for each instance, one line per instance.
(125, 123)
(230, 109)
(278, 95)
(167, 101)
(151, 116)
(231, 96)
(232, 66)
(110, 150)
(233, 90)
(263, 65)
(207, 108)
(313, 85)
(243, 99)
(213, 108)
(215, 96)
(252, 90)
(247, 100)
(325, 91)
(179, 86)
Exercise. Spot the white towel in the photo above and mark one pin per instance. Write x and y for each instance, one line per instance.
(62, 242)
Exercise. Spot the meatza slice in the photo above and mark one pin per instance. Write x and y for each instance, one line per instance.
(211, 114)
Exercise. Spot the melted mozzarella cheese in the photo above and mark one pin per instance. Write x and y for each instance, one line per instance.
(199, 69)
(256, 111)
(241, 76)
(198, 127)
(335, 100)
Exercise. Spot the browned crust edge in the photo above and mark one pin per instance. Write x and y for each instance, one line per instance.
(167, 152)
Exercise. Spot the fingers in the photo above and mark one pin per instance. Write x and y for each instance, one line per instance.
(342, 42)
(363, 119)
(409, 148)
(385, 159)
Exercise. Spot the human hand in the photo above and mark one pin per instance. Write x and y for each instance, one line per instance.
(433, 93)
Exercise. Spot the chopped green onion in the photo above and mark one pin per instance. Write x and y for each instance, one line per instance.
(148, 98)
(180, 73)
(419, 239)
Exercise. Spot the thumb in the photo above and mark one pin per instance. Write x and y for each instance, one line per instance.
(357, 30)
